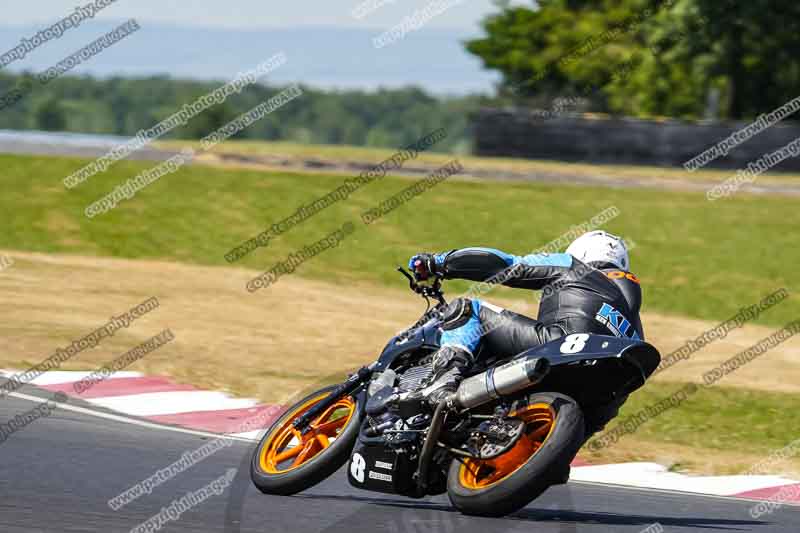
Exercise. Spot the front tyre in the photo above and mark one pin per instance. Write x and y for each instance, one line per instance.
(286, 462)
(497, 487)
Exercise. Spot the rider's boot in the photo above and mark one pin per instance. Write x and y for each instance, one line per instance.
(450, 364)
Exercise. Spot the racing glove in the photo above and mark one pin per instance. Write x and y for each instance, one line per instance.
(423, 266)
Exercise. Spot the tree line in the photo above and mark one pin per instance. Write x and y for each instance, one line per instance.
(124, 106)
(693, 59)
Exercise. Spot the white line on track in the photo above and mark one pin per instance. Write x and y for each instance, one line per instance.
(653, 475)
(672, 492)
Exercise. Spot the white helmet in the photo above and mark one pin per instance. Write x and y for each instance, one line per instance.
(602, 247)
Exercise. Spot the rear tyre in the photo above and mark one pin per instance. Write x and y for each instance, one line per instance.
(541, 458)
(286, 462)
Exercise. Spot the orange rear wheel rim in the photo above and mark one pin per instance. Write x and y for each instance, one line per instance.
(539, 421)
(286, 448)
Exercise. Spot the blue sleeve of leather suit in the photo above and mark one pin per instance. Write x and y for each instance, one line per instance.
(532, 271)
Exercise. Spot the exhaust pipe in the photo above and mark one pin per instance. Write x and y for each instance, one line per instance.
(501, 381)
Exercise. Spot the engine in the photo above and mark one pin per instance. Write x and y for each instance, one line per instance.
(414, 377)
(386, 454)
(382, 417)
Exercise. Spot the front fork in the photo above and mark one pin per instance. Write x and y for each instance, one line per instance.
(352, 384)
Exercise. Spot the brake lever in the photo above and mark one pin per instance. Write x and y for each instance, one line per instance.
(412, 284)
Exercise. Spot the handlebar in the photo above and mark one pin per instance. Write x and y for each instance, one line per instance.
(426, 291)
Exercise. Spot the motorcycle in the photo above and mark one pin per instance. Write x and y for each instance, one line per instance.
(509, 432)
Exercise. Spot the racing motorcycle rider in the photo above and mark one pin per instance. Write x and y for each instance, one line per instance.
(588, 289)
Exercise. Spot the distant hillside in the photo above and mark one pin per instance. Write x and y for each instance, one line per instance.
(324, 57)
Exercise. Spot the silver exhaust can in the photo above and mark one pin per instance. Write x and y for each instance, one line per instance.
(501, 381)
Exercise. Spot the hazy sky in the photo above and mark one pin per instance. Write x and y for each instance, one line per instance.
(351, 61)
(255, 13)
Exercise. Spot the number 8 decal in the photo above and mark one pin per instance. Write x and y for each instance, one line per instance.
(574, 343)
(357, 466)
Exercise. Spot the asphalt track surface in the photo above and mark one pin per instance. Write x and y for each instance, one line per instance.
(58, 473)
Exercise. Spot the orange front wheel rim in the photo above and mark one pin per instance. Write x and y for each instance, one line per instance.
(539, 421)
(286, 448)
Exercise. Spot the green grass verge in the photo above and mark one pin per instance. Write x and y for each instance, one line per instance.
(695, 258)
(717, 418)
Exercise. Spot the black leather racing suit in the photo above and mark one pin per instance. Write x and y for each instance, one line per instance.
(577, 298)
